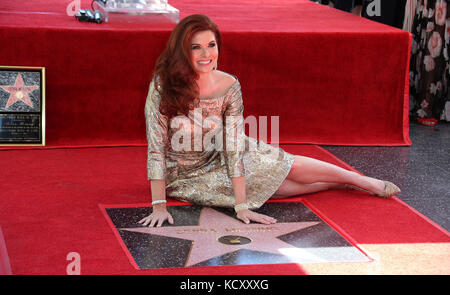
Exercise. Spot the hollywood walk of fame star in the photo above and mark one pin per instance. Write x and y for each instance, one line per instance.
(214, 228)
(19, 91)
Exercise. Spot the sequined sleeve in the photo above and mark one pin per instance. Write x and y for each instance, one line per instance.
(156, 127)
(234, 134)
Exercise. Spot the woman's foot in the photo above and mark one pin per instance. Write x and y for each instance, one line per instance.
(383, 189)
(389, 190)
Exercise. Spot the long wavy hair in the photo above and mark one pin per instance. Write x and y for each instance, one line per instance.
(174, 73)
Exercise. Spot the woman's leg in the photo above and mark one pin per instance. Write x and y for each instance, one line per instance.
(307, 170)
(290, 188)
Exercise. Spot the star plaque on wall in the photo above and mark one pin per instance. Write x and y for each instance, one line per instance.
(22, 105)
(209, 236)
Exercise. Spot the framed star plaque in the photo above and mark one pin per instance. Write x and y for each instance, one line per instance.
(22, 106)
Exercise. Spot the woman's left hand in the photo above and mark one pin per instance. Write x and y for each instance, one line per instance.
(246, 216)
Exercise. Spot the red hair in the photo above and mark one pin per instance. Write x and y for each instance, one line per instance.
(174, 73)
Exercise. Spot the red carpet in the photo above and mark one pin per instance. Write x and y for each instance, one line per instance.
(49, 207)
(335, 70)
(321, 70)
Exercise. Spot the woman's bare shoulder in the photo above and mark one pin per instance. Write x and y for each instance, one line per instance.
(225, 79)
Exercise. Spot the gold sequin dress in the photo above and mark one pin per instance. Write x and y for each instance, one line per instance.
(198, 154)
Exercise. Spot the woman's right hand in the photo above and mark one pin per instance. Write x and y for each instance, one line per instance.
(157, 217)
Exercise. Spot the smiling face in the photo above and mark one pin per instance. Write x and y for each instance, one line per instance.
(204, 51)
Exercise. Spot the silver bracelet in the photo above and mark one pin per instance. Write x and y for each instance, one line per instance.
(158, 202)
(240, 207)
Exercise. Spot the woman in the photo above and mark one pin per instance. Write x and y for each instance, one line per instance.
(196, 139)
